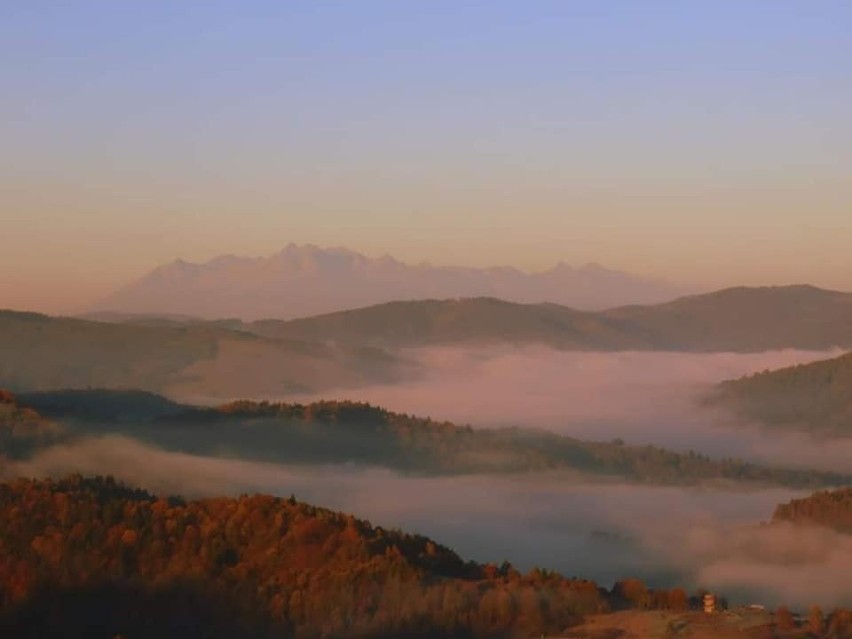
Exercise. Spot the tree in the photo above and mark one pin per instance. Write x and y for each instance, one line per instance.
(816, 621)
(678, 599)
(784, 620)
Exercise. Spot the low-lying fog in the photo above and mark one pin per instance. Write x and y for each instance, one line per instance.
(689, 536)
(604, 531)
(641, 397)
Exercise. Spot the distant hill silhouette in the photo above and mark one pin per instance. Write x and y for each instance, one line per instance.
(101, 405)
(230, 358)
(815, 397)
(306, 280)
(23, 430)
(190, 359)
(736, 319)
(746, 319)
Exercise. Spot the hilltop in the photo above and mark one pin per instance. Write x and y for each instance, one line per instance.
(736, 319)
(815, 397)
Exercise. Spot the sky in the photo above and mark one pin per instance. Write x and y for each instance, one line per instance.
(705, 142)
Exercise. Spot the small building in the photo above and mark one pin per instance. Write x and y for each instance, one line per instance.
(709, 603)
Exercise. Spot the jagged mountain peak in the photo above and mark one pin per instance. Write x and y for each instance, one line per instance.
(306, 279)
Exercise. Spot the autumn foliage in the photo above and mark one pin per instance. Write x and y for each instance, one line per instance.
(91, 557)
(828, 508)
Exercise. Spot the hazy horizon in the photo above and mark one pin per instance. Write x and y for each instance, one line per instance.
(605, 528)
(705, 144)
(70, 303)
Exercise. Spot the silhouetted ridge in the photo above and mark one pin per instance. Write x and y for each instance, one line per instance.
(332, 432)
(815, 397)
(104, 404)
(737, 319)
(343, 432)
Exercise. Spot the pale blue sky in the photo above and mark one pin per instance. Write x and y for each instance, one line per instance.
(707, 142)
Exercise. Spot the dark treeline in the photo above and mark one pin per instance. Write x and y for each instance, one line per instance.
(22, 429)
(831, 509)
(333, 432)
(814, 398)
(93, 558)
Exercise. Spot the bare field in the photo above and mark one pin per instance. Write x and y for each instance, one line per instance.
(632, 624)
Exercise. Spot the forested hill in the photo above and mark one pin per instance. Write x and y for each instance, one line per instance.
(736, 319)
(464, 321)
(831, 509)
(92, 558)
(329, 432)
(815, 397)
(348, 349)
(198, 359)
(22, 429)
(746, 319)
(351, 432)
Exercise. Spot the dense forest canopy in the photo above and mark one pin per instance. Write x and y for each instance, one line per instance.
(93, 556)
(815, 397)
(738, 319)
(830, 508)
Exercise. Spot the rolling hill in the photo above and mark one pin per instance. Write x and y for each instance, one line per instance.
(324, 433)
(462, 321)
(307, 280)
(746, 319)
(814, 398)
(737, 319)
(188, 360)
(22, 429)
(94, 558)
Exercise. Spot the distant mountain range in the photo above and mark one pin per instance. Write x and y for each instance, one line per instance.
(815, 397)
(306, 280)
